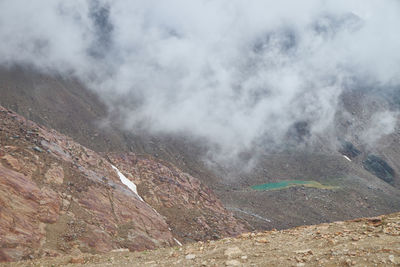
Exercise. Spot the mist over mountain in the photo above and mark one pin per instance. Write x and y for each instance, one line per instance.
(134, 125)
(237, 75)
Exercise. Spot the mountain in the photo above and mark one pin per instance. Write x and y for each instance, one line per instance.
(347, 176)
(130, 126)
(59, 197)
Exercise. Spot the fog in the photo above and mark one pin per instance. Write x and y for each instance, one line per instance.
(237, 74)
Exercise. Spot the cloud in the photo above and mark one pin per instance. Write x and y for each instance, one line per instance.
(381, 124)
(237, 74)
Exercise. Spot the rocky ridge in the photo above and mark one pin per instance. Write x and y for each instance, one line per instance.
(58, 197)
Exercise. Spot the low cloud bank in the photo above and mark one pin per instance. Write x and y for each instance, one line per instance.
(237, 74)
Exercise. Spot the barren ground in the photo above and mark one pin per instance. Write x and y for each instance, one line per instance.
(362, 242)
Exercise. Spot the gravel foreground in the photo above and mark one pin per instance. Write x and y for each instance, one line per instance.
(361, 242)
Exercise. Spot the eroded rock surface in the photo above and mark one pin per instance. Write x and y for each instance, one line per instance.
(191, 208)
(57, 196)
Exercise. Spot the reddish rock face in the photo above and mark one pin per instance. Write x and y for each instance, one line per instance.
(57, 196)
(25, 209)
(191, 208)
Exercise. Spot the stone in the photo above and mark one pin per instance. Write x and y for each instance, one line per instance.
(262, 240)
(190, 257)
(76, 260)
(233, 263)
(304, 251)
(37, 149)
(55, 174)
(13, 162)
(245, 235)
(391, 259)
(120, 250)
(232, 251)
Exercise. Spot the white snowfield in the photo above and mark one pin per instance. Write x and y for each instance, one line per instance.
(177, 241)
(346, 157)
(127, 182)
(132, 187)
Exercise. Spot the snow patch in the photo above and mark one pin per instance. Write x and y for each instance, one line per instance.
(127, 182)
(251, 214)
(177, 241)
(346, 157)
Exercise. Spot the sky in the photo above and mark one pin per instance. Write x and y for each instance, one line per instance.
(237, 74)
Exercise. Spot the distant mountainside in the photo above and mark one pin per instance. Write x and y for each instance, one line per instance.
(59, 197)
(64, 104)
(337, 177)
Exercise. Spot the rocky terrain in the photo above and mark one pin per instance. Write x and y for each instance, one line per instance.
(215, 133)
(191, 209)
(58, 197)
(366, 183)
(361, 242)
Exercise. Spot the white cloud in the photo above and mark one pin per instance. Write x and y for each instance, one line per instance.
(232, 72)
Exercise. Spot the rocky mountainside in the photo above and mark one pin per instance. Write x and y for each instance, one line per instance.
(361, 242)
(190, 208)
(356, 179)
(59, 197)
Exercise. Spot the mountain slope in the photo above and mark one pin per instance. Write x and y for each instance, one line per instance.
(58, 197)
(356, 190)
(362, 242)
(191, 209)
